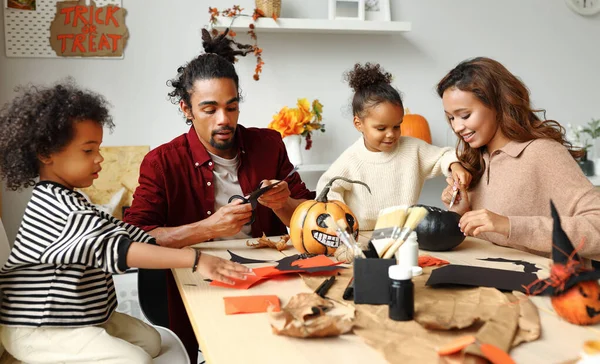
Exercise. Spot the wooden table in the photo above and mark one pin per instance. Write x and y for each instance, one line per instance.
(247, 338)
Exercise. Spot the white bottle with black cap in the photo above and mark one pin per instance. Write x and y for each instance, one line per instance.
(402, 293)
(408, 254)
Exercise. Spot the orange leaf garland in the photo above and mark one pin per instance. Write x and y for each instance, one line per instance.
(233, 13)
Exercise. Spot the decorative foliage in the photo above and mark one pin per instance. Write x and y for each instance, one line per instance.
(576, 136)
(233, 13)
(593, 129)
(301, 120)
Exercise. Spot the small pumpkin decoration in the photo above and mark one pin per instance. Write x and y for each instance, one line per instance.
(439, 230)
(308, 230)
(574, 288)
(580, 305)
(416, 126)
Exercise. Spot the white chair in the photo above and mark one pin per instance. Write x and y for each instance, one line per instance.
(153, 303)
(5, 358)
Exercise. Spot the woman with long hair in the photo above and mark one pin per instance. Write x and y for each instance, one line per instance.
(519, 162)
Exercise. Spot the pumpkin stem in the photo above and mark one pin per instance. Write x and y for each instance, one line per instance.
(323, 195)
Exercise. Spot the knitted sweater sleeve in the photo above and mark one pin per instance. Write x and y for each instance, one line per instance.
(433, 160)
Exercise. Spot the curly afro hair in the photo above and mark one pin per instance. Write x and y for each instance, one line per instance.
(372, 86)
(39, 122)
(217, 62)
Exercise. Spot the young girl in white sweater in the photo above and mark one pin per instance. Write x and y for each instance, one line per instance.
(394, 166)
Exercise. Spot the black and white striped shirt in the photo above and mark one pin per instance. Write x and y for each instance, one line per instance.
(59, 272)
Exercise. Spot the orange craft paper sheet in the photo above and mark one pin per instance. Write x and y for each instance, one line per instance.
(240, 283)
(250, 304)
(268, 272)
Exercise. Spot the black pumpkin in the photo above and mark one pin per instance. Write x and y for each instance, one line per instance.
(439, 230)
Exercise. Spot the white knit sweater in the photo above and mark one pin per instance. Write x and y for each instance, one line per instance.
(395, 178)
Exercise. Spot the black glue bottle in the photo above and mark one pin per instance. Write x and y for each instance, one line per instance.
(402, 293)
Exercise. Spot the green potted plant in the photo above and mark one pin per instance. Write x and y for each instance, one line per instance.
(593, 130)
(576, 135)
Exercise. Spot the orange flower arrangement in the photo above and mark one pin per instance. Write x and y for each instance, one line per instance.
(233, 13)
(302, 120)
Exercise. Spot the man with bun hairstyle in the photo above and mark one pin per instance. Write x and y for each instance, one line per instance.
(185, 184)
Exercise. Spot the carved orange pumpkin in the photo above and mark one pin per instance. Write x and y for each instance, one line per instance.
(415, 125)
(308, 230)
(580, 305)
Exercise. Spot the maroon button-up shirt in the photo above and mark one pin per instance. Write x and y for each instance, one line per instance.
(177, 184)
(177, 188)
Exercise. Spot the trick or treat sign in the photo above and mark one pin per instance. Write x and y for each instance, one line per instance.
(85, 30)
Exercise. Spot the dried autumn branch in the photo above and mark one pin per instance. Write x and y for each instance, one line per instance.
(234, 13)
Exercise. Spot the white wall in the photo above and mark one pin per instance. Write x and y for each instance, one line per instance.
(552, 49)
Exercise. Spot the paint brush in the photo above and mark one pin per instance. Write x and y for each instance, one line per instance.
(388, 227)
(415, 216)
(344, 236)
(358, 253)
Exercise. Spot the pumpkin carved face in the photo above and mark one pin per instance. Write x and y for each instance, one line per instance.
(309, 232)
(580, 305)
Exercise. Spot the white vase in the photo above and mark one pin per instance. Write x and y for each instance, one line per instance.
(293, 148)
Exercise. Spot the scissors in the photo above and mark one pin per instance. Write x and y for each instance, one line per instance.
(252, 198)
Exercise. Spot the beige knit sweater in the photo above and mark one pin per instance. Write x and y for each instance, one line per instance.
(519, 181)
(395, 178)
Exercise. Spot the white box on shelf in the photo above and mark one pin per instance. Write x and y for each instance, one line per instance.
(347, 9)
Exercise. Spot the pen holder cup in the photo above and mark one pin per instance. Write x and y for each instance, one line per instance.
(371, 280)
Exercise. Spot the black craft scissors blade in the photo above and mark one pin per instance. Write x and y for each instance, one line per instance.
(252, 198)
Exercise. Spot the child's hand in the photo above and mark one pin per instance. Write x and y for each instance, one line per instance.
(460, 174)
(476, 222)
(461, 203)
(221, 270)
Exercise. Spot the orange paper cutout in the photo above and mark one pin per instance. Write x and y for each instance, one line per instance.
(263, 273)
(429, 261)
(250, 304)
(240, 283)
(317, 261)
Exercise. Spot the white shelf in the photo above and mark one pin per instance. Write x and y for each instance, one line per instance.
(296, 25)
(595, 180)
(313, 167)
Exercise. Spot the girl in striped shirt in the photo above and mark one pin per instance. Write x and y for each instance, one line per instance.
(58, 298)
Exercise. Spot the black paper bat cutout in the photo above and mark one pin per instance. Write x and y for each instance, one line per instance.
(527, 266)
(243, 260)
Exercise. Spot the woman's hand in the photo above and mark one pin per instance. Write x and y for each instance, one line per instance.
(476, 222)
(222, 270)
(461, 203)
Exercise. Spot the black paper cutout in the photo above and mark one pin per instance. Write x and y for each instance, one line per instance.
(504, 280)
(527, 266)
(243, 260)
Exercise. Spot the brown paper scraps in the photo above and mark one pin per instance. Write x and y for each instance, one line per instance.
(308, 315)
(499, 330)
(452, 308)
(265, 242)
(529, 319)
